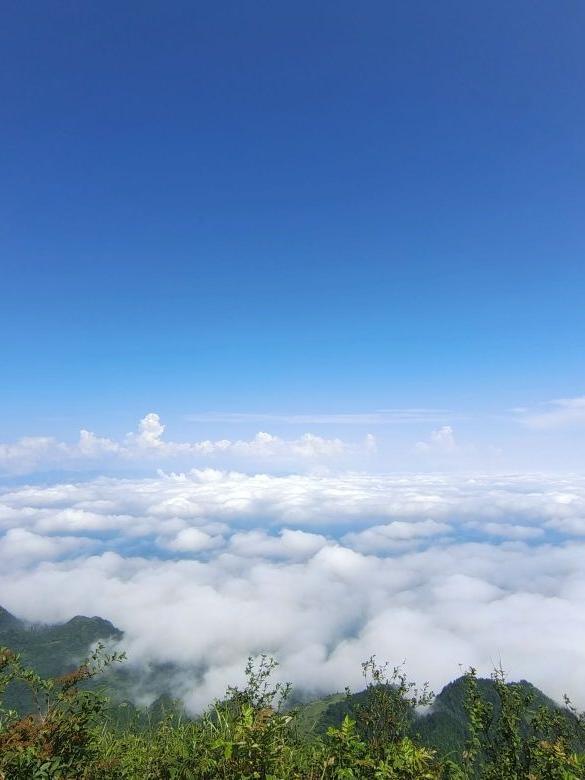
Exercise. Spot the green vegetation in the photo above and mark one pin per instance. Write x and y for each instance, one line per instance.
(52, 650)
(475, 729)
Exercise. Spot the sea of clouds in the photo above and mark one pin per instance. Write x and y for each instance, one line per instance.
(202, 568)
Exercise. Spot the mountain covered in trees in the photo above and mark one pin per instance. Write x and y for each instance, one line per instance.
(473, 728)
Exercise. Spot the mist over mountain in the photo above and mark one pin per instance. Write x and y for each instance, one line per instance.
(55, 650)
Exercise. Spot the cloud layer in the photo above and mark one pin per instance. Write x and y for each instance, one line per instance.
(319, 570)
(148, 445)
(528, 439)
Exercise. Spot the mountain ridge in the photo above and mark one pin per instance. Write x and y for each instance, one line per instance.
(55, 649)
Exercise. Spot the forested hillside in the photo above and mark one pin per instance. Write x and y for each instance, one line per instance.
(57, 722)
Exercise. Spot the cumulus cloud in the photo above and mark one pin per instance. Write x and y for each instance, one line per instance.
(442, 440)
(333, 502)
(24, 455)
(150, 431)
(190, 540)
(320, 570)
(289, 544)
(21, 547)
(442, 449)
(394, 536)
(148, 445)
(508, 530)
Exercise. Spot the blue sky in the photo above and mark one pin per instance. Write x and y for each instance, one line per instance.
(291, 208)
(293, 333)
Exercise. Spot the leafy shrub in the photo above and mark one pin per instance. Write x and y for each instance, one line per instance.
(58, 739)
(252, 733)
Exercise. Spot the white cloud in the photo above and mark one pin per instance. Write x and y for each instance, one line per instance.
(560, 413)
(150, 432)
(571, 526)
(24, 455)
(92, 446)
(295, 500)
(322, 616)
(148, 445)
(319, 570)
(191, 540)
(442, 440)
(394, 536)
(289, 544)
(20, 547)
(508, 530)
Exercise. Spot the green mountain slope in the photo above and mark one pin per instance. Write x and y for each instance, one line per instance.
(443, 727)
(51, 650)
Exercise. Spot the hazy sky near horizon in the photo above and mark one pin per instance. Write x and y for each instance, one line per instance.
(269, 217)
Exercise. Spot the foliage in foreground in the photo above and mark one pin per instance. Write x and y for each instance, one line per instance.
(253, 735)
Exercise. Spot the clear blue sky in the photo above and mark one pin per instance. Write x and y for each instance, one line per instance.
(296, 207)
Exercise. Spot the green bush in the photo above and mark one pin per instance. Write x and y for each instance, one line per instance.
(254, 734)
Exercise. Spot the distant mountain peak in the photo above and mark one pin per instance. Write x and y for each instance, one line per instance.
(91, 628)
(7, 620)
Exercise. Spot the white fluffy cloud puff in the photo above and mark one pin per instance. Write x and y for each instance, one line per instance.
(148, 445)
